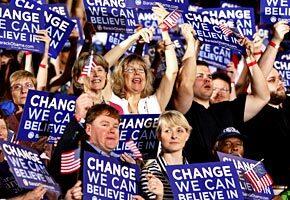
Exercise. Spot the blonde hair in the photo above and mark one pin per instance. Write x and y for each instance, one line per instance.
(118, 81)
(22, 74)
(173, 118)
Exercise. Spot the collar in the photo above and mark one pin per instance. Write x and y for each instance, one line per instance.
(99, 151)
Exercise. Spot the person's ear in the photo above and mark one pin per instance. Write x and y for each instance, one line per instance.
(88, 129)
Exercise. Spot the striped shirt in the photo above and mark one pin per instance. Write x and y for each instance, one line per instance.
(157, 168)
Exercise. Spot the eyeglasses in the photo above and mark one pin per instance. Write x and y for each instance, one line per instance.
(221, 89)
(19, 87)
(132, 70)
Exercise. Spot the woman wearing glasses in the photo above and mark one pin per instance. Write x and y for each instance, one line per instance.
(133, 79)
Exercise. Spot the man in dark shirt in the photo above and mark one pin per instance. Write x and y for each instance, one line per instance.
(194, 89)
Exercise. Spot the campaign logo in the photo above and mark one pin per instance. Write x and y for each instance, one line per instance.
(138, 2)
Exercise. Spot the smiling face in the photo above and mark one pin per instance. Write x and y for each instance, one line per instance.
(97, 78)
(276, 87)
(135, 77)
(203, 83)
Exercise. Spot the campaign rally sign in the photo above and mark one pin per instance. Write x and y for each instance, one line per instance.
(242, 165)
(59, 27)
(148, 4)
(216, 180)
(18, 28)
(282, 64)
(216, 56)
(142, 130)
(229, 4)
(114, 39)
(27, 168)
(272, 11)
(108, 178)
(111, 16)
(59, 8)
(206, 23)
(45, 114)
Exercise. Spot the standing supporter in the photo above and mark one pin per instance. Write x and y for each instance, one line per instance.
(173, 131)
(221, 88)
(194, 89)
(133, 80)
(269, 131)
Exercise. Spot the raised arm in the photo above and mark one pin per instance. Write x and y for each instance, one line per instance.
(260, 93)
(266, 62)
(164, 91)
(43, 66)
(184, 85)
(114, 54)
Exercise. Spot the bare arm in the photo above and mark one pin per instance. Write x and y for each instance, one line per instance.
(114, 54)
(187, 73)
(43, 67)
(260, 93)
(266, 62)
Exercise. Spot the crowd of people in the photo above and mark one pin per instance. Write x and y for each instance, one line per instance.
(201, 112)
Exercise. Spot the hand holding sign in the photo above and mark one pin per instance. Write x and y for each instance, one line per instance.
(35, 194)
(146, 34)
(75, 193)
(127, 158)
(160, 13)
(248, 44)
(155, 186)
(280, 30)
(44, 37)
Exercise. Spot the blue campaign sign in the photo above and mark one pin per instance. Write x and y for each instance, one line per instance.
(59, 27)
(282, 64)
(148, 4)
(272, 11)
(142, 130)
(27, 168)
(111, 16)
(242, 165)
(18, 28)
(114, 39)
(229, 4)
(206, 24)
(216, 180)
(108, 178)
(214, 55)
(59, 8)
(45, 114)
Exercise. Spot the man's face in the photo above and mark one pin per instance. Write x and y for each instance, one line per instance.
(203, 83)
(3, 130)
(276, 87)
(19, 90)
(232, 145)
(104, 132)
(221, 91)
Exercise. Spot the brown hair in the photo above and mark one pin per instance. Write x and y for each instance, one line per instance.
(118, 82)
(101, 109)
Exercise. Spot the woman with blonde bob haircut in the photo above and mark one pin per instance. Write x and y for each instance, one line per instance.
(173, 131)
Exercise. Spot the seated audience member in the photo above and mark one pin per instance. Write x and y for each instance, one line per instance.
(173, 131)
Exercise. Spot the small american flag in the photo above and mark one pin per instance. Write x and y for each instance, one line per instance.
(70, 161)
(228, 31)
(172, 18)
(258, 177)
(136, 152)
(86, 71)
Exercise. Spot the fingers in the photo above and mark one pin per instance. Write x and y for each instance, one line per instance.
(77, 191)
(127, 158)
(42, 35)
(146, 34)
(137, 197)
(83, 103)
(38, 192)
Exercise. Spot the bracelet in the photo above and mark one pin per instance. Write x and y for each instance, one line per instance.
(27, 53)
(258, 53)
(42, 65)
(273, 44)
(252, 64)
